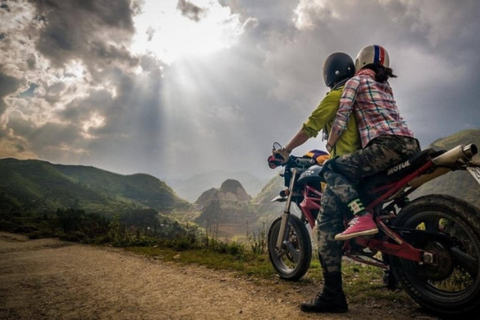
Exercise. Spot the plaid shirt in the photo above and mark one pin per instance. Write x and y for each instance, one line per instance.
(374, 108)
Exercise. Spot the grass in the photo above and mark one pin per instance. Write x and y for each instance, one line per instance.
(252, 265)
(361, 282)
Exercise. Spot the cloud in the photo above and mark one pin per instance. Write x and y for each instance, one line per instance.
(190, 10)
(8, 85)
(79, 71)
(105, 83)
(96, 32)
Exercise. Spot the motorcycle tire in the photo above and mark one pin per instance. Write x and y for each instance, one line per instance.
(292, 261)
(450, 228)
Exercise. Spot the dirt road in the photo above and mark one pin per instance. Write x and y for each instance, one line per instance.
(52, 279)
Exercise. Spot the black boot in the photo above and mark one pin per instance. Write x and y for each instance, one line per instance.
(331, 299)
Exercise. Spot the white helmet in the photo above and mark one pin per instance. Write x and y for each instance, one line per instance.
(373, 54)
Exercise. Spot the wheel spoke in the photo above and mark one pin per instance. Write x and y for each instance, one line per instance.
(466, 261)
(447, 228)
(281, 253)
(292, 260)
(293, 252)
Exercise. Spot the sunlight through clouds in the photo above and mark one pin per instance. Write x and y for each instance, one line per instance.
(96, 121)
(171, 32)
(175, 87)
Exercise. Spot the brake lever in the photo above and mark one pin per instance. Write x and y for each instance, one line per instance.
(276, 146)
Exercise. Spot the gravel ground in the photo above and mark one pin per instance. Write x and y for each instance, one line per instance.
(53, 279)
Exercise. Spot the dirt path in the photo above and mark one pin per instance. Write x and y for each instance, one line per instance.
(52, 279)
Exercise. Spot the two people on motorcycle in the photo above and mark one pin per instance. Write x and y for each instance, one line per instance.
(366, 135)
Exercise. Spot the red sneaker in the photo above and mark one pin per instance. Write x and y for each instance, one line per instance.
(359, 226)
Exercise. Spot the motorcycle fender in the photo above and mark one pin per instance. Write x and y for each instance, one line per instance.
(417, 182)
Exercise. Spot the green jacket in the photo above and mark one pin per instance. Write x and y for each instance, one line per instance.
(322, 119)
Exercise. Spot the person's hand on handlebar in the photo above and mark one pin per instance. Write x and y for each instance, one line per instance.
(282, 155)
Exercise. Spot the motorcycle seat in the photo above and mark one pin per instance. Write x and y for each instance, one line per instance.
(401, 169)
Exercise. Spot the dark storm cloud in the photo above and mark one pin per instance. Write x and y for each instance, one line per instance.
(89, 75)
(190, 10)
(96, 32)
(222, 110)
(4, 6)
(8, 85)
(433, 48)
(277, 69)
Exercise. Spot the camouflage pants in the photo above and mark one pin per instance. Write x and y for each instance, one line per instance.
(342, 175)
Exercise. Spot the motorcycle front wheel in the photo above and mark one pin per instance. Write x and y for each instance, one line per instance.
(292, 260)
(450, 229)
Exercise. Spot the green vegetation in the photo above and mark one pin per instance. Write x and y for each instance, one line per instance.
(262, 202)
(139, 226)
(139, 212)
(361, 282)
(158, 237)
(37, 186)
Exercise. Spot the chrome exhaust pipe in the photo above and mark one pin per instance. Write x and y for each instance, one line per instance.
(459, 153)
(470, 150)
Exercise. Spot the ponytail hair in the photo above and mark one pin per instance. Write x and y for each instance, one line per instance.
(382, 73)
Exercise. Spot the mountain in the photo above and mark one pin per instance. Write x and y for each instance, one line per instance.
(35, 185)
(226, 211)
(230, 190)
(266, 209)
(191, 188)
(459, 184)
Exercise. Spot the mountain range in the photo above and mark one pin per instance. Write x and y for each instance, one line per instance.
(34, 185)
(191, 188)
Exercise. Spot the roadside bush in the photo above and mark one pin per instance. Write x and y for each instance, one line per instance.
(258, 241)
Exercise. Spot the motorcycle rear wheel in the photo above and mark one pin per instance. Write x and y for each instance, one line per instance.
(450, 228)
(293, 259)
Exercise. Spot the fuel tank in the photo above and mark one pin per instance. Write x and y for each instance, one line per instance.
(311, 176)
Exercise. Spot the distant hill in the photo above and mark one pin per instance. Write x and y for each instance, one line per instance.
(33, 185)
(39, 185)
(266, 209)
(191, 188)
(226, 211)
(456, 183)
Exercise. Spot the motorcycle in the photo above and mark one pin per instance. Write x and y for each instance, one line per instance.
(430, 244)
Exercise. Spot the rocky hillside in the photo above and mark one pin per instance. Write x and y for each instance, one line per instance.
(266, 209)
(230, 190)
(456, 183)
(193, 187)
(226, 211)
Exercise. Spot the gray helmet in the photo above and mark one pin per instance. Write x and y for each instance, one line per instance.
(337, 67)
(373, 54)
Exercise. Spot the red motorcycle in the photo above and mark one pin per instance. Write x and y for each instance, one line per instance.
(430, 244)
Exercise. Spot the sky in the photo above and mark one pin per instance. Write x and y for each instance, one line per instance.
(174, 88)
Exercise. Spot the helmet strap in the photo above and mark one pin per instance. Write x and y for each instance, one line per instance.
(339, 84)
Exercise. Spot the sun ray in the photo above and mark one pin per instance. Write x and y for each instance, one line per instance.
(165, 32)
